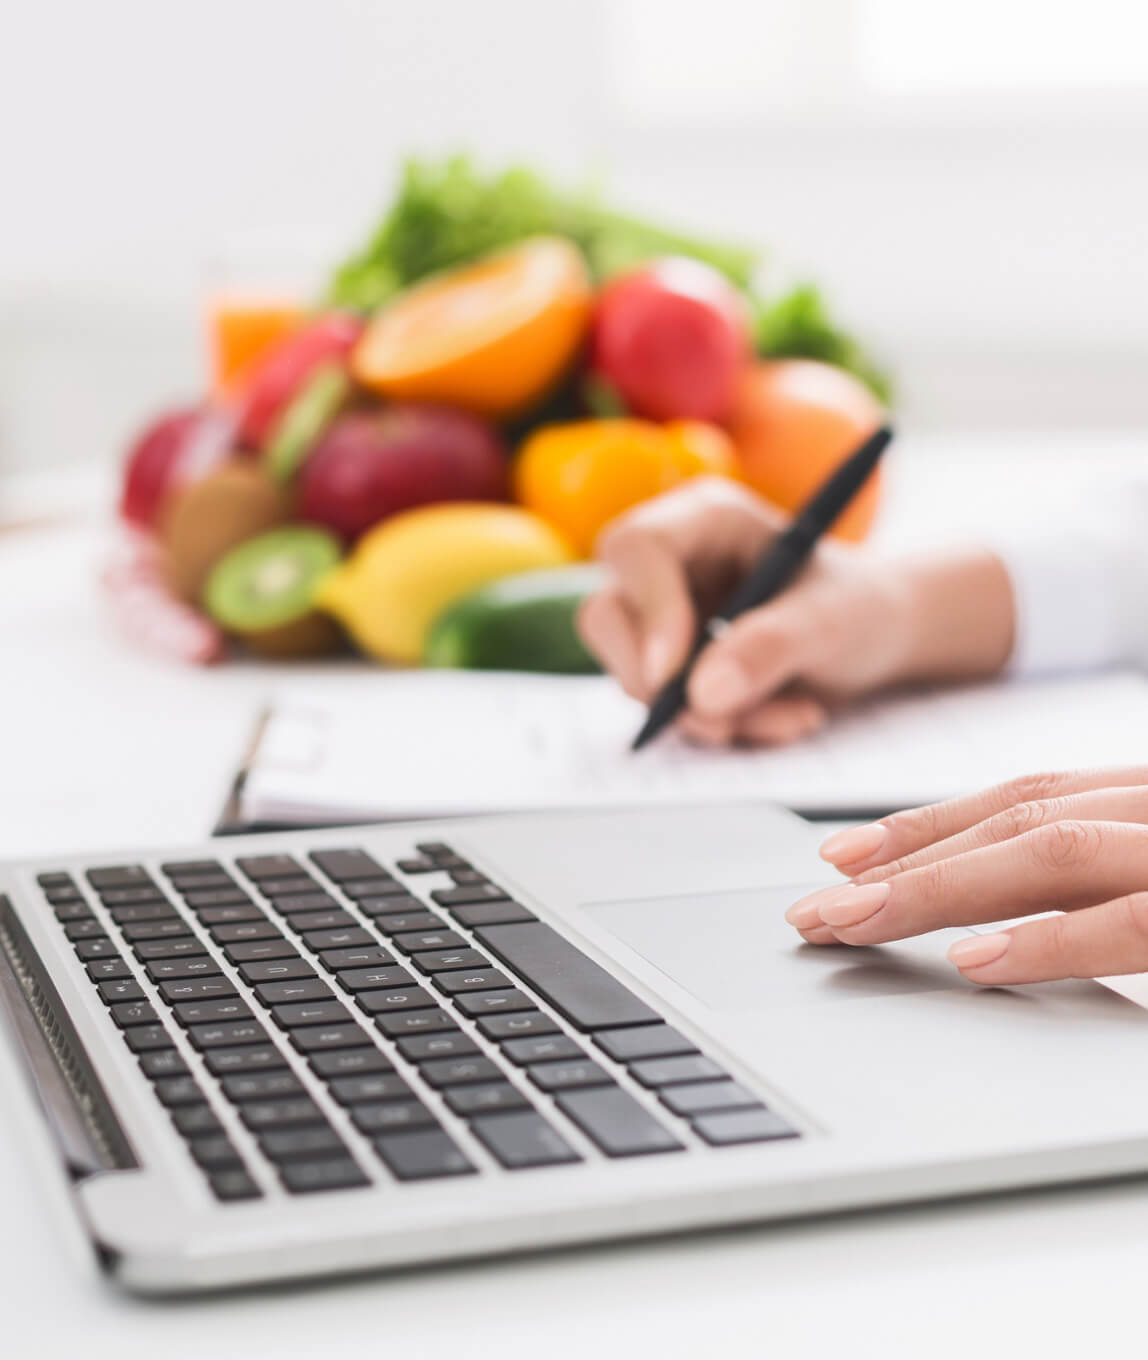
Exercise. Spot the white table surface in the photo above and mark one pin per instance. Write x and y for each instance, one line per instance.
(103, 746)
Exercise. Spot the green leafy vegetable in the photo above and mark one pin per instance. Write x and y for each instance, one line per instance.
(447, 213)
(798, 326)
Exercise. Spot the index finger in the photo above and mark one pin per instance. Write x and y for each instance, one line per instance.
(881, 843)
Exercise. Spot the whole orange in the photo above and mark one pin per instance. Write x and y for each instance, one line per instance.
(793, 421)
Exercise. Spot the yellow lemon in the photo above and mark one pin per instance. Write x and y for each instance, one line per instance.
(403, 574)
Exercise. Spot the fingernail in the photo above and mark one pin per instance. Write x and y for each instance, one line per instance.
(658, 662)
(804, 915)
(858, 842)
(719, 685)
(979, 950)
(854, 903)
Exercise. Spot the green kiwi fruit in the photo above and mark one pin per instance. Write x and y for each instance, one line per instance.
(309, 413)
(264, 591)
(210, 517)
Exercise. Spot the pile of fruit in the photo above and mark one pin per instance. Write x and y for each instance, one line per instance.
(419, 464)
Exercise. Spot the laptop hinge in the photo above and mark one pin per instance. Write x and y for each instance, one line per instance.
(89, 1135)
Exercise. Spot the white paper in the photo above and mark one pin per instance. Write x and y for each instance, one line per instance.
(378, 745)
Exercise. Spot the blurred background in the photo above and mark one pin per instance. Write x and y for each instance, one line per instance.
(965, 181)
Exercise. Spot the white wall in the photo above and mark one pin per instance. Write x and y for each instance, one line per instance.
(1002, 269)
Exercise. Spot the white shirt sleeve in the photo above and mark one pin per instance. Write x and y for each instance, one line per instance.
(1081, 585)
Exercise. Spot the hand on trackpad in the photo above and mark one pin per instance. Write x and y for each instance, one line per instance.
(735, 952)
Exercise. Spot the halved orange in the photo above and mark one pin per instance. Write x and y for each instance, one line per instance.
(491, 337)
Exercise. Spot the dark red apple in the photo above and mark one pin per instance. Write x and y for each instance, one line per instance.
(152, 462)
(670, 339)
(369, 465)
(281, 374)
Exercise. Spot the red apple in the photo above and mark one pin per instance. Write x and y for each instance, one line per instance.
(671, 339)
(369, 465)
(281, 374)
(156, 463)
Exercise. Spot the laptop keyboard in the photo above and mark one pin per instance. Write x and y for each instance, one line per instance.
(407, 993)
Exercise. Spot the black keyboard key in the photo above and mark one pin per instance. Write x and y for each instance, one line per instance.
(655, 1072)
(98, 948)
(451, 1044)
(482, 980)
(275, 970)
(196, 1121)
(366, 956)
(322, 1038)
(222, 1062)
(244, 1086)
(247, 932)
(442, 1072)
(63, 892)
(100, 969)
(259, 951)
(406, 1023)
(227, 1034)
(373, 887)
(174, 970)
(349, 1062)
(418, 941)
(120, 989)
(213, 1011)
(386, 1001)
(200, 882)
(196, 989)
(541, 1048)
(301, 1013)
(370, 1090)
(150, 911)
(259, 867)
(145, 1038)
(394, 905)
(184, 868)
(364, 979)
(304, 1178)
(401, 922)
(706, 1097)
(568, 1076)
(470, 1101)
(467, 875)
(521, 1141)
(742, 1126)
(492, 914)
(314, 901)
(499, 1027)
(126, 897)
(287, 887)
(294, 990)
(163, 1062)
(302, 1145)
(231, 1186)
(620, 1125)
(119, 876)
(393, 1117)
(213, 917)
(646, 1041)
(174, 1091)
(577, 987)
(84, 929)
(178, 947)
(54, 878)
(338, 919)
(153, 930)
(216, 1153)
(449, 960)
(292, 1113)
(353, 938)
(131, 1013)
(417, 866)
(71, 911)
(422, 1156)
(345, 865)
(467, 894)
(216, 897)
(435, 850)
(478, 1004)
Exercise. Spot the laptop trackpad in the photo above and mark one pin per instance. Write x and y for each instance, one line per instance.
(735, 952)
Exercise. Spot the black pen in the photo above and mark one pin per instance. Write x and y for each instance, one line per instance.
(774, 570)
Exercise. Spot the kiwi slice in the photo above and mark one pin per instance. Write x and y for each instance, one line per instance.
(210, 517)
(308, 414)
(264, 591)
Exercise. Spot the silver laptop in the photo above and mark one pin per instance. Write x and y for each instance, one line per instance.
(295, 1055)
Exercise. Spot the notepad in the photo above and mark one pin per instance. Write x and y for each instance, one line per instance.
(385, 746)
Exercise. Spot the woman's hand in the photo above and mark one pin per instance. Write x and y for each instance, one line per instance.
(851, 623)
(1075, 843)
